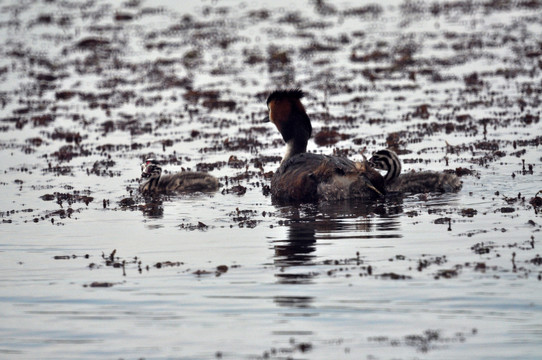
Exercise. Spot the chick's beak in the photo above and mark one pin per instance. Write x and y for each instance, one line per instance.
(266, 119)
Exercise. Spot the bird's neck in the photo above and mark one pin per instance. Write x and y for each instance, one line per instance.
(296, 134)
(150, 184)
(295, 146)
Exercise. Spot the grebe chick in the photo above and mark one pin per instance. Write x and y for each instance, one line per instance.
(305, 177)
(412, 182)
(187, 181)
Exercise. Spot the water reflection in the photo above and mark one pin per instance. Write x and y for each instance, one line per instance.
(152, 207)
(298, 249)
(301, 302)
(334, 220)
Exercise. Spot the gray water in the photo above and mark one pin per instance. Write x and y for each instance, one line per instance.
(90, 89)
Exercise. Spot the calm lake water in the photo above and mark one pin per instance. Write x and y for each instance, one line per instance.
(91, 269)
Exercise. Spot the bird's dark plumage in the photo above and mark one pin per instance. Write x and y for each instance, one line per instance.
(304, 177)
(285, 94)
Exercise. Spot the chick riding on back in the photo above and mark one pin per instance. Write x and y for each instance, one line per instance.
(412, 182)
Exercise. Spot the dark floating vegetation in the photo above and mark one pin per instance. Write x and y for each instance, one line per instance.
(429, 340)
(92, 89)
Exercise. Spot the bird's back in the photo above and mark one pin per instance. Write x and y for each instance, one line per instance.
(311, 177)
(186, 181)
(425, 181)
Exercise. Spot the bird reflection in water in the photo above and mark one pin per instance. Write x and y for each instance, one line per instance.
(153, 206)
(298, 249)
(295, 256)
(328, 220)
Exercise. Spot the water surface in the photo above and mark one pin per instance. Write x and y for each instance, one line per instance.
(91, 89)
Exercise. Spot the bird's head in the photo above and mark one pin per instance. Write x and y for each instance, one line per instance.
(150, 168)
(288, 114)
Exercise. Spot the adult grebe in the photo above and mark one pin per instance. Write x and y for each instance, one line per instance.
(306, 177)
(187, 181)
(412, 182)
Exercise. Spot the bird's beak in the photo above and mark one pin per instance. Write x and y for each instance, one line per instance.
(266, 119)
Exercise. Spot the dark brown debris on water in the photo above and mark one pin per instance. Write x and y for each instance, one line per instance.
(393, 276)
(162, 264)
(429, 340)
(446, 273)
(98, 284)
(469, 212)
(70, 199)
(68, 257)
(327, 137)
(191, 227)
(238, 190)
